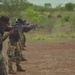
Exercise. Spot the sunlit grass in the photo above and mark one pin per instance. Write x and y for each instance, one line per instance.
(55, 37)
(38, 36)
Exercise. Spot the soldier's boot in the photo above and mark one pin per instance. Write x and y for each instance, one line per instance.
(23, 59)
(19, 69)
(23, 48)
(11, 71)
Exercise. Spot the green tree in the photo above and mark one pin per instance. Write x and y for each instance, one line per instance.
(32, 15)
(48, 5)
(13, 8)
(70, 6)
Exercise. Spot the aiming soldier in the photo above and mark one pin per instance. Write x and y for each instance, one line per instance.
(15, 48)
(22, 39)
(4, 21)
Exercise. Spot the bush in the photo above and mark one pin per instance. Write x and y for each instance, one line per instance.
(66, 18)
(59, 16)
(49, 16)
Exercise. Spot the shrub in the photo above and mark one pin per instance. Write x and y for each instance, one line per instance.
(59, 16)
(66, 18)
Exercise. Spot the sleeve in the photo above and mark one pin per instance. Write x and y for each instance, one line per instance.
(8, 29)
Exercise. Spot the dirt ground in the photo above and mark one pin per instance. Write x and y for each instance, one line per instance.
(48, 59)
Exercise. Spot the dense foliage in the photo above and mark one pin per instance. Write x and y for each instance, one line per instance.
(58, 19)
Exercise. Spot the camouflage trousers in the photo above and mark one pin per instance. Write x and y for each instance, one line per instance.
(22, 41)
(3, 70)
(14, 52)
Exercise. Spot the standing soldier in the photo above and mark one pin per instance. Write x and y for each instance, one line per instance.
(24, 37)
(24, 40)
(21, 42)
(14, 51)
(4, 21)
(15, 48)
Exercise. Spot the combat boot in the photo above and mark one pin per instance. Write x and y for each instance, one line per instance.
(11, 71)
(23, 49)
(19, 69)
(23, 59)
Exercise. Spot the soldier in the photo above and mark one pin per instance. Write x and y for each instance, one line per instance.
(22, 39)
(4, 21)
(21, 42)
(19, 20)
(15, 49)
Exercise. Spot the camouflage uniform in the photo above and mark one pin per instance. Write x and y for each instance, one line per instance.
(22, 42)
(14, 52)
(3, 70)
(21, 45)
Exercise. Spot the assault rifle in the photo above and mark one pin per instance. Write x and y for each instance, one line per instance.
(20, 27)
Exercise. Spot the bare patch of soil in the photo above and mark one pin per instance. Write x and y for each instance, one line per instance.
(48, 59)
